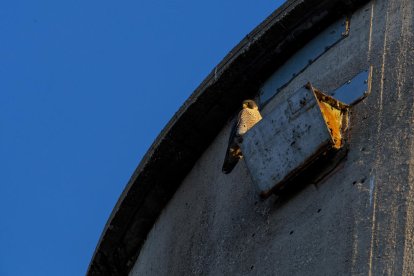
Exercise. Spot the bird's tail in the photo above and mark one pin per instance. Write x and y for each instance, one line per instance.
(233, 155)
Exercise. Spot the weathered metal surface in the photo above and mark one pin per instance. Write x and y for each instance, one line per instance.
(303, 58)
(292, 136)
(355, 89)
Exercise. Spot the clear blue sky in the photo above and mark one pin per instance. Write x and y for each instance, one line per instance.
(85, 88)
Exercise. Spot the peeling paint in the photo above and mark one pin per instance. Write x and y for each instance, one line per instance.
(333, 119)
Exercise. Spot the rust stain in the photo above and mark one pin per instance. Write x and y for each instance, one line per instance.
(333, 119)
(333, 112)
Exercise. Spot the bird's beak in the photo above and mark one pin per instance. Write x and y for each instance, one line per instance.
(244, 105)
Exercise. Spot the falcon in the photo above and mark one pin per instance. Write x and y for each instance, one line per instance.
(247, 118)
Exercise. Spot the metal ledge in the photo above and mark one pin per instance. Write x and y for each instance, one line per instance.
(294, 135)
(198, 121)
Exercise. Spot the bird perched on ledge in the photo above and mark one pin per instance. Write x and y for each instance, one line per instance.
(247, 118)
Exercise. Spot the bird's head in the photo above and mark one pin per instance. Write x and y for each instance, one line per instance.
(250, 104)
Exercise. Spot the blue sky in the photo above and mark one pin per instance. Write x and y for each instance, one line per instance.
(85, 88)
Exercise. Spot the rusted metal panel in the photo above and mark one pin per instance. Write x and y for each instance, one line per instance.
(292, 136)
